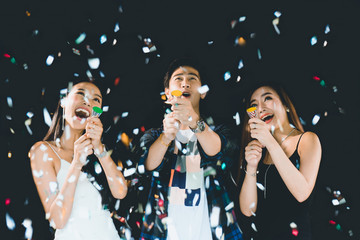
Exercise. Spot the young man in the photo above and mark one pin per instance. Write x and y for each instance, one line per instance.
(189, 163)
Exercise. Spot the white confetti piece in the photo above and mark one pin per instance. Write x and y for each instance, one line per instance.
(227, 76)
(47, 117)
(105, 108)
(129, 171)
(103, 39)
(98, 168)
(218, 232)
(38, 174)
(313, 40)
(124, 114)
(241, 64)
(117, 27)
(277, 14)
(53, 187)
(203, 89)
(9, 102)
(71, 179)
(315, 119)
(237, 118)
(94, 63)
(260, 186)
(327, 29)
(10, 223)
(49, 60)
(29, 230)
(136, 131)
(242, 19)
(214, 216)
(141, 169)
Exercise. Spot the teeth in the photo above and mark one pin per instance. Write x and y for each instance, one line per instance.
(83, 110)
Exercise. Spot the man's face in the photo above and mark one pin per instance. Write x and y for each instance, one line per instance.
(187, 80)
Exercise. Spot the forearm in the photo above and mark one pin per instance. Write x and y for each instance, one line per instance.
(292, 177)
(115, 178)
(248, 193)
(61, 206)
(209, 141)
(157, 152)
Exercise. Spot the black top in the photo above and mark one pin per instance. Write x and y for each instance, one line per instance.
(277, 207)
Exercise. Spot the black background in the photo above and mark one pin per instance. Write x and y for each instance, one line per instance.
(201, 29)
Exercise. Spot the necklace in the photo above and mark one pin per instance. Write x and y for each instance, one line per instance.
(282, 140)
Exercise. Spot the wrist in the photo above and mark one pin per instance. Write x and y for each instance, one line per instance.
(165, 140)
(100, 151)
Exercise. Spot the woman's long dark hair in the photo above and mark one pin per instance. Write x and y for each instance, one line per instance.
(97, 179)
(245, 134)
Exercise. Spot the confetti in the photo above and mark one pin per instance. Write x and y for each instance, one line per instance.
(203, 89)
(214, 216)
(124, 114)
(277, 14)
(315, 119)
(237, 118)
(9, 102)
(103, 39)
(227, 76)
(29, 230)
(129, 172)
(81, 38)
(242, 19)
(327, 29)
(94, 63)
(176, 93)
(241, 64)
(117, 27)
(49, 60)
(10, 223)
(275, 22)
(313, 40)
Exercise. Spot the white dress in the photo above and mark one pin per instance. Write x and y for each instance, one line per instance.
(88, 219)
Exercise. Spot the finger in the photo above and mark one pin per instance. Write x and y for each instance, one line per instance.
(81, 139)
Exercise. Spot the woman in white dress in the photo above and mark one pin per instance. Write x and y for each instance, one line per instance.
(71, 202)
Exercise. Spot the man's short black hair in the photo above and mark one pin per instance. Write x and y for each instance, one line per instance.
(182, 62)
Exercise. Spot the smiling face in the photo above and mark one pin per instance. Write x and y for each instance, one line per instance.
(79, 103)
(187, 80)
(270, 109)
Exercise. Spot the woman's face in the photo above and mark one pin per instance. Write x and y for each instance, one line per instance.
(269, 106)
(79, 103)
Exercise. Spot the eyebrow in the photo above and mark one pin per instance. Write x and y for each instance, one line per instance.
(262, 95)
(193, 74)
(82, 89)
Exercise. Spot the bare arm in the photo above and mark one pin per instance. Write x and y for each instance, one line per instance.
(115, 178)
(299, 182)
(209, 141)
(57, 202)
(248, 194)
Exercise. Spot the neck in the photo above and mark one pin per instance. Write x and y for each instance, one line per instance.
(280, 136)
(68, 138)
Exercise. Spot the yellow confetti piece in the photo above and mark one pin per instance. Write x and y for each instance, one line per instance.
(176, 93)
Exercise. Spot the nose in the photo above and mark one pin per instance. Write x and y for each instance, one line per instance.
(185, 84)
(260, 107)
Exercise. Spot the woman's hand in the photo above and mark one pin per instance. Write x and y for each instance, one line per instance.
(94, 130)
(82, 149)
(260, 131)
(253, 153)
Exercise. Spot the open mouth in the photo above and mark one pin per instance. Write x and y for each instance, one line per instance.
(186, 94)
(267, 118)
(82, 113)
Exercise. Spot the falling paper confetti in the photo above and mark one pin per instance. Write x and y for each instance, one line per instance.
(227, 76)
(81, 38)
(94, 63)
(47, 117)
(313, 40)
(315, 119)
(203, 89)
(10, 223)
(49, 60)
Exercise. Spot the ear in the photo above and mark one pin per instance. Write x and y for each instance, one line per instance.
(167, 92)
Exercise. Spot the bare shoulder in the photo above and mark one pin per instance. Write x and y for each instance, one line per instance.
(309, 141)
(40, 152)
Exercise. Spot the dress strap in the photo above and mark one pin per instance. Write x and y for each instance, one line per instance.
(299, 141)
(53, 150)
